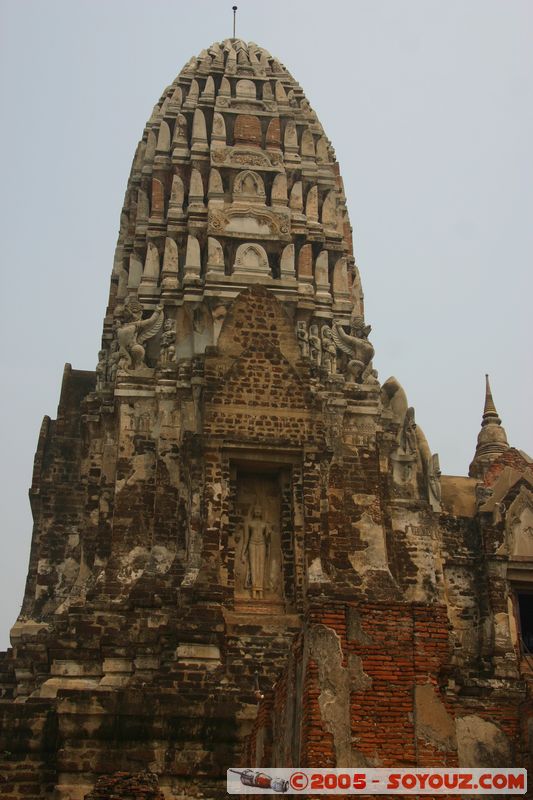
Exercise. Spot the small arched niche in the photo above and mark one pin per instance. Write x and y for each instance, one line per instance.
(249, 188)
(251, 259)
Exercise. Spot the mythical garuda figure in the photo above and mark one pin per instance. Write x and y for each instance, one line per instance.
(355, 346)
(134, 332)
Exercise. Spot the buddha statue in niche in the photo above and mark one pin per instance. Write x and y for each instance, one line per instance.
(255, 552)
(258, 571)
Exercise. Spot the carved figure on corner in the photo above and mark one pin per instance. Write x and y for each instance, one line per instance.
(134, 332)
(372, 378)
(408, 432)
(255, 550)
(355, 346)
(303, 338)
(315, 345)
(168, 343)
(434, 487)
(329, 351)
(112, 362)
(101, 370)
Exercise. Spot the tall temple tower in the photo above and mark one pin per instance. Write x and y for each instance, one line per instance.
(243, 549)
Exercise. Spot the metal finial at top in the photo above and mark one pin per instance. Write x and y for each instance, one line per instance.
(234, 16)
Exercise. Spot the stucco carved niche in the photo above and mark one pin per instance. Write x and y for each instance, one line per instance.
(519, 524)
(248, 188)
(251, 259)
(258, 564)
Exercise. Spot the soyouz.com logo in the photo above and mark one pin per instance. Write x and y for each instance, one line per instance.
(433, 780)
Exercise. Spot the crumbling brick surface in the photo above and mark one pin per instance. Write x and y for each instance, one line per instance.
(124, 786)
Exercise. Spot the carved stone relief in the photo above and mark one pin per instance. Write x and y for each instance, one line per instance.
(329, 351)
(247, 157)
(253, 222)
(355, 348)
(258, 560)
(303, 338)
(315, 345)
(168, 344)
(248, 188)
(134, 332)
(251, 259)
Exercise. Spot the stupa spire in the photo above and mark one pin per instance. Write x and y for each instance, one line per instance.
(489, 410)
(492, 439)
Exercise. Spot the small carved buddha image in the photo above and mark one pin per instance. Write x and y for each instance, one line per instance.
(255, 551)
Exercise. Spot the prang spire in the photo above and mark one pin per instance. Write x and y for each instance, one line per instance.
(489, 410)
(492, 439)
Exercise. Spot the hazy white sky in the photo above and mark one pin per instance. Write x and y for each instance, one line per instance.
(429, 104)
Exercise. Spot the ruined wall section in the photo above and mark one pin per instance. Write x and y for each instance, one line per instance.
(57, 497)
(374, 690)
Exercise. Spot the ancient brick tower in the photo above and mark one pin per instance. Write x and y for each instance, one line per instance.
(243, 549)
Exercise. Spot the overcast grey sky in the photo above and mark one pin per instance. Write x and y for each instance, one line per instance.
(429, 104)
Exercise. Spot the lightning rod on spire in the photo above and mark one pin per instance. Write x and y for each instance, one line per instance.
(234, 16)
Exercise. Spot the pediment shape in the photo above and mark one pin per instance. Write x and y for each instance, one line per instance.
(249, 187)
(251, 258)
(262, 377)
(256, 312)
(248, 223)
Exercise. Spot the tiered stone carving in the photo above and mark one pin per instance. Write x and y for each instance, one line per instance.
(233, 180)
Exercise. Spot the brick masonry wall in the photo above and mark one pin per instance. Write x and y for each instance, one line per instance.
(402, 710)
